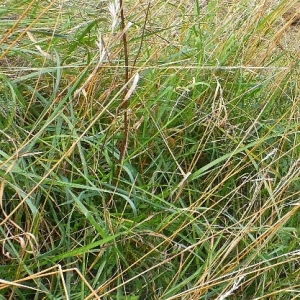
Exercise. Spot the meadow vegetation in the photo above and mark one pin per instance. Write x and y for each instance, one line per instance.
(149, 151)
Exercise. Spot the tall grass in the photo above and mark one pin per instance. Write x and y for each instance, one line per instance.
(148, 151)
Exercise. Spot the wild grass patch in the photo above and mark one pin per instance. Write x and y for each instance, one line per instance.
(148, 151)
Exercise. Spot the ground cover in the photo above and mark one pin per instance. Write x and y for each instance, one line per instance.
(149, 151)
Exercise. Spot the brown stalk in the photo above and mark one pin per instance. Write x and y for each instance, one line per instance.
(125, 101)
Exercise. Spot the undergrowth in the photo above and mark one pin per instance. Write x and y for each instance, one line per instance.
(148, 151)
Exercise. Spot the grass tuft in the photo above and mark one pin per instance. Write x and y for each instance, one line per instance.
(149, 150)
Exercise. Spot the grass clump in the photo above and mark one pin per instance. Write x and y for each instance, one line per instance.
(148, 151)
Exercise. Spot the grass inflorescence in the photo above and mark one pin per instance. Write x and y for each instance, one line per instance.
(149, 150)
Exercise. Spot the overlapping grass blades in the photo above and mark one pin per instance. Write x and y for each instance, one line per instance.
(196, 196)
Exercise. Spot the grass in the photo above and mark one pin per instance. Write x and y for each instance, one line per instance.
(162, 163)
